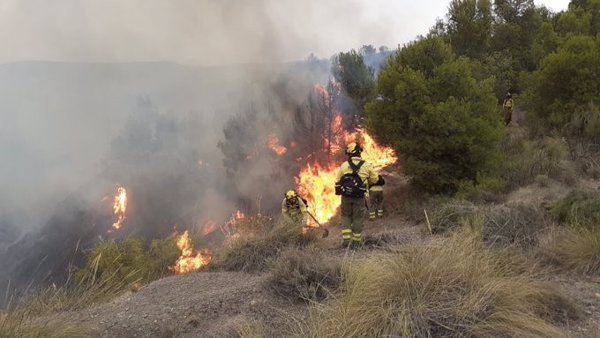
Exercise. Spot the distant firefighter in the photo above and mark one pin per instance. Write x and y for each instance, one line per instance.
(353, 178)
(508, 105)
(376, 199)
(293, 209)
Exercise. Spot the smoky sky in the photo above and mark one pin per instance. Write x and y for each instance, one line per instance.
(208, 32)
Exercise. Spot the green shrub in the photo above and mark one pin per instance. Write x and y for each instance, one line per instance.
(122, 261)
(573, 249)
(566, 82)
(304, 274)
(526, 159)
(485, 188)
(163, 253)
(580, 208)
(433, 111)
(448, 287)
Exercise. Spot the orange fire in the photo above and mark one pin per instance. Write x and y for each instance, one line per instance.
(190, 260)
(119, 208)
(378, 156)
(317, 185)
(209, 227)
(273, 144)
(316, 182)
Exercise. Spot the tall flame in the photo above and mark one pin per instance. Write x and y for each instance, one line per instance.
(317, 185)
(120, 207)
(273, 144)
(190, 260)
(316, 182)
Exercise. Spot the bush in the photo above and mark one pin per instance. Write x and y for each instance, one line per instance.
(304, 274)
(121, 261)
(448, 215)
(448, 287)
(255, 252)
(515, 223)
(483, 189)
(566, 82)
(163, 253)
(527, 159)
(580, 208)
(573, 249)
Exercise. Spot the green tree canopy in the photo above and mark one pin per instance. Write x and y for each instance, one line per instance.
(567, 81)
(356, 78)
(433, 111)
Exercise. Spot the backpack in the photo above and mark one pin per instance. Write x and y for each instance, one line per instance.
(351, 185)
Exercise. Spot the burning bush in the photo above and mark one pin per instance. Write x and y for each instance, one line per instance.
(448, 287)
(304, 274)
(255, 252)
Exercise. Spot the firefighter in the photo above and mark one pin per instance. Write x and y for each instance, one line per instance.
(376, 199)
(508, 108)
(293, 209)
(352, 182)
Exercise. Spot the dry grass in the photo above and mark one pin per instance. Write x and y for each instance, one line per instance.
(573, 249)
(74, 295)
(242, 327)
(255, 252)
(580, 208)
(305, 274)
(19, 324)
(448, 287)
(505, 224)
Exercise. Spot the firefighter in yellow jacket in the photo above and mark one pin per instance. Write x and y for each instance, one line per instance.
(352, 182)
(508, 105)
(293, 209)
(376, 199)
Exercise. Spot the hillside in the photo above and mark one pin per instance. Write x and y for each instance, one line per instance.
(233, 304)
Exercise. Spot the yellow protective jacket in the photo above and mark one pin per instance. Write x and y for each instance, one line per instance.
(366, 172)
(508, 104)
(292, 214)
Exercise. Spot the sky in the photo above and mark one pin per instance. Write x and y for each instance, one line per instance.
(209, 32)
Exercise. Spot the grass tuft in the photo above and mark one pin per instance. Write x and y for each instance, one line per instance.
(448, 287)
(573, 249)
(19, 324)
(255, 252)
(304, 275)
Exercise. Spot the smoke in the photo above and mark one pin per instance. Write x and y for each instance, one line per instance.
(202, 32)
(72, 131)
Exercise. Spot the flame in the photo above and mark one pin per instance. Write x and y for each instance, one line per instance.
(317, 185)
(316, 182)
(190, 260)
(273, 144)
(209, 227)
(378, 156)
(120, 207)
